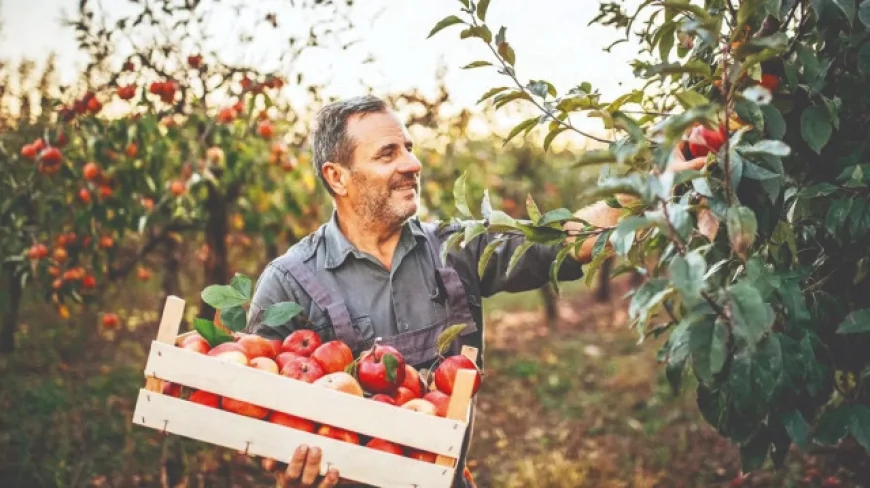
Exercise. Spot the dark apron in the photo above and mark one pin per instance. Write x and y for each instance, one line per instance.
(418, 347)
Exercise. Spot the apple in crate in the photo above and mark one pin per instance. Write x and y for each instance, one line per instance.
(303, 369)
(420, 405)
(292, 421)
(403, 395)
(205, 398)
(445, 374)
(283, 358)
(244, 408)
(333, 356)
(338, 434)
(196, 343)
(441, 401)
(255, 346)
(265, 364)
(301, 342)
(380, 397)
(385, 446)
(341, 381)
(230, 352)
(381, 369)
(419, 455)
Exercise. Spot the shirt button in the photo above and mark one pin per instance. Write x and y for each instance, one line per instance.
(404, 326)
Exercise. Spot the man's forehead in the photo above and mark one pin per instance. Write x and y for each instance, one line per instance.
(371, 127)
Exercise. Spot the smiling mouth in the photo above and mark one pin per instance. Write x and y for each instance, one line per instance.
(407, 187)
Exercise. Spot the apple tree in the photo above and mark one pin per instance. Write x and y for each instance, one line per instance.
(740, 174)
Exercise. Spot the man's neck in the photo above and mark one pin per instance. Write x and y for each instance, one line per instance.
(373, 238)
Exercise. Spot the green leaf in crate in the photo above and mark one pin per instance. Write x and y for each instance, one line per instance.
(210, 332)
(233, 318)
(222, 296)
(448, 336)
(281, 313)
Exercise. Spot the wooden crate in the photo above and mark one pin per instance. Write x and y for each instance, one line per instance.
(168, 414)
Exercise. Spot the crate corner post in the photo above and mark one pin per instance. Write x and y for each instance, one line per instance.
(167, 333)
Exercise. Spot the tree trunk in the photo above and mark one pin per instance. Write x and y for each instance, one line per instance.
(10, 286)
(217, 268)
(551, 309)
(602, 294)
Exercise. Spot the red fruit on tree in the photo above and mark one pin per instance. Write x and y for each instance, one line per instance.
(385, 446)
(301, 342)
(50, 155)
(445, 374)
(265, 129)
(770, 82)
(303, 369)
(28, 151)
(111, 320)
(91, 171)
(381, 369)
(89, 282)
(85, 196)
(703, 141)
(333, 356)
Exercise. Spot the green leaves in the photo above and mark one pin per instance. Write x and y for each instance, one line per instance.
(742, 228)
(751, 316)
(481, 9)
(840, 421)
(856, 322)
(448, 336)
(797, 428)
(460, 192)
(707, 342)
(524, 126)
(864, 13)
(279, 314)
(773, 148)
(242, 284)
(687, 274)
(443, 23)
(223, 296)
(816, 127)
(233, 318)
(755, 376)
(391, 366)
(210, 332)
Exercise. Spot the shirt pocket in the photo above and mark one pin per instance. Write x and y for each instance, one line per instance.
(365, 329)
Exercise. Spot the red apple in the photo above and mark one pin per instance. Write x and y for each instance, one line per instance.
(303, 369)
(403, 396)
(265, 364)
(333, 356)
(445, 374)
(419, 455)
(420, 405)
(205, 398)
(225, 347)
(338, 434)
(380, 397)
(244, 408)
(195, 343)
(285, 357)
(302, 342)
(292, 421)
(341, 381)
(441, 401)
(172, 389)
(256, 346)
(232, 357)
(386, 446)
(703, 141)
(412, 381)
(381, 369)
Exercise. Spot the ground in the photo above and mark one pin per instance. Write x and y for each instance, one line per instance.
(578, 405)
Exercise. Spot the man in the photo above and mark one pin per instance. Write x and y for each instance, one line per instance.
(374, 269)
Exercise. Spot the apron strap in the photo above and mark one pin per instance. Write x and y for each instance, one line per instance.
(329, 302)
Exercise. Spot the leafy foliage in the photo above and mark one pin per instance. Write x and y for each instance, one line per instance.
(753, 119)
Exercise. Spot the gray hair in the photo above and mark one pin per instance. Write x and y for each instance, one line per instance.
(329, 139)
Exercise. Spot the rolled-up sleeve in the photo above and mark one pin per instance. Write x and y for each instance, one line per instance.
(531, 272)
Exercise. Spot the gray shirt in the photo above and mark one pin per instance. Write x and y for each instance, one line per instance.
(385, 302)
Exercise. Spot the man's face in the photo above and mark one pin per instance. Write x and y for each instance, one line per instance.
(384, 174)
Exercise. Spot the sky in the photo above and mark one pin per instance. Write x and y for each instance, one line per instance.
(551, 39)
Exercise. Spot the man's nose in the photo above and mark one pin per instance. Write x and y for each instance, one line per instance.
(410, 164)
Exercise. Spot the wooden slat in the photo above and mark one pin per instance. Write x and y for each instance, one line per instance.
(458, 409)
(173, 312)
(258, 438)
(322, 405)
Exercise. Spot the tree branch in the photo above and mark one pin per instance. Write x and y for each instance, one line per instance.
(148, 248)
(509, 71)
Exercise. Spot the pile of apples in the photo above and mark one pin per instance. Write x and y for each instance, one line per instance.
(380, 374)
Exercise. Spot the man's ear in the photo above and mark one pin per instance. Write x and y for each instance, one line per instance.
(336, 177)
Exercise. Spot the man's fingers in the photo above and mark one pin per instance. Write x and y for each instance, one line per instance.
(331, 479)
(294, 468)
(312, 467)
(268, 464)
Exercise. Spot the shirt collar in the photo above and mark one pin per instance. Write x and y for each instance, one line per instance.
(338, 248)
